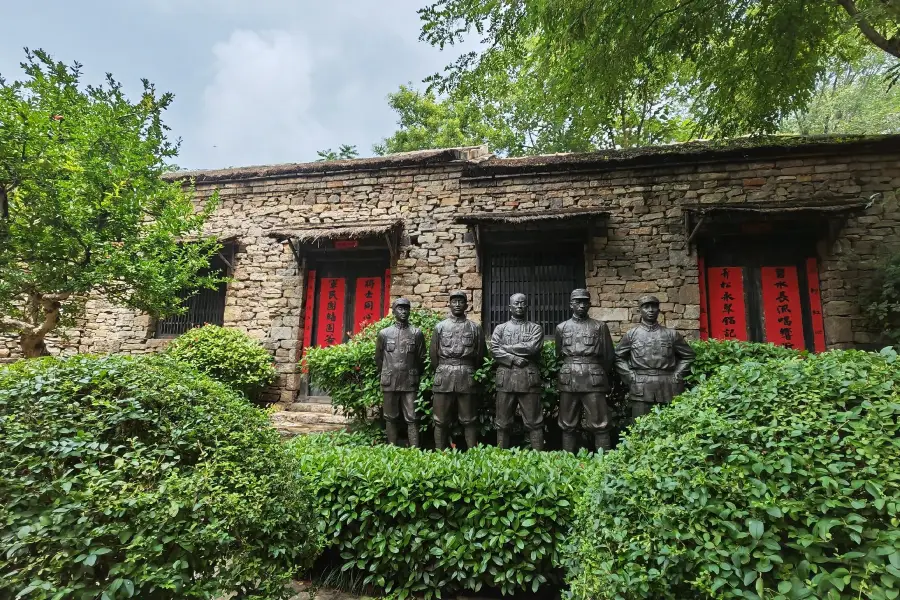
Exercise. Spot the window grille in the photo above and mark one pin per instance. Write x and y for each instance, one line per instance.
(205, 307)
(546, 276)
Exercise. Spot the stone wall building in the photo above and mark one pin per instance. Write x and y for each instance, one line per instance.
(767, 240)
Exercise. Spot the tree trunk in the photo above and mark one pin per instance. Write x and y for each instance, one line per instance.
(33, 346)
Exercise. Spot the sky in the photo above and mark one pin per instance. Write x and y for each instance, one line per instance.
(255, 81)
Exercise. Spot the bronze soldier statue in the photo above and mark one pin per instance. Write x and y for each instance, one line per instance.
(516, 347)
(652, 360)
(586, 352)
(457, 351)
(399, 358)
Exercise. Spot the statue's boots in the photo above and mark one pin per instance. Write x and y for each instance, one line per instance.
(602, 440)
(569, 442)
(537, 439)
(502, 438)
(471, 435)
(440, 437)
(392, 432)
(413, 433)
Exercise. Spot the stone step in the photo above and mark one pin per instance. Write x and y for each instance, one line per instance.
(308, 417)
(312, 407)
(289, 430)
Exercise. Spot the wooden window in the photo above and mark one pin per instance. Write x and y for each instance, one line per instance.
(205, 307)
(762, 289)
(546, 273)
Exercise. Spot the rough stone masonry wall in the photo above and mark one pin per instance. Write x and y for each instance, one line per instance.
(643, 250)
(645, 246)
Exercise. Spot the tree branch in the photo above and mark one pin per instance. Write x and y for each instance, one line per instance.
(16, 324)
(891, 46)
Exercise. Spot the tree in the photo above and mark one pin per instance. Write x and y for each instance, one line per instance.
(345, 152)
(738, 66)
(851, 98)
(83, 207)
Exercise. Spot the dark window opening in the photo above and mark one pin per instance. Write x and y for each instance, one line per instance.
(207, 306)
(546, 273)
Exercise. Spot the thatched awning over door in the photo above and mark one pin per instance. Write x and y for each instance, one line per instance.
(323, 235)
(522, 225)
(717, 219)
(560, 217)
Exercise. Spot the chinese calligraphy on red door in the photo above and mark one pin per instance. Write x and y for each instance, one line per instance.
(727, 309)
(782, 310)
(815, 304)
(330, 321)
(308, 309)
(367, 304)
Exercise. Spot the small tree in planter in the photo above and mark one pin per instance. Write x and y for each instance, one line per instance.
(83, 208)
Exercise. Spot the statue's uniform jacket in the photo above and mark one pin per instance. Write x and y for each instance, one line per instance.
(399, 357)
(523, 339)
(457, 350)
(586, 351)
(651, 360)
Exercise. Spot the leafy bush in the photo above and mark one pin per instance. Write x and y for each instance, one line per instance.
(882, 305)
(125, 477)
(427, 523)
(775, 480)
(712, 355)
(229, 356)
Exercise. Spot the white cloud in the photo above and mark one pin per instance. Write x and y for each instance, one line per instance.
(257, 108)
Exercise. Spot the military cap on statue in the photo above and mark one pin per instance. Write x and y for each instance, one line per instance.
(458, 294)
(580, 293)
(401, 302)
(647, 299)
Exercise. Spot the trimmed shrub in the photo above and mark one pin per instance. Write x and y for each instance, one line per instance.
(229, 356)
(712, 355)
(426, 523)
(127, 477)
(770, 480)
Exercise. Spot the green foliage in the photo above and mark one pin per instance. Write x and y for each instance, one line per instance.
(127, 477)
(883, 303)
(770, 480)
(229, 356)
(83, 207)
(712, 355)
(621, 72)
(345, 152)
(433, 523)
(851, 97)
(347, 371)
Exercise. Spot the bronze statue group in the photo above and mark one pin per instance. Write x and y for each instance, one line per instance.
(650, 359)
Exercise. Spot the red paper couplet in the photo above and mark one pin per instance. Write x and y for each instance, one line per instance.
(727, 310)
(781, 307)
(308, 309)
(387, 292)
(704, 319)
(815, 304)
(330, 326)
(367, 304)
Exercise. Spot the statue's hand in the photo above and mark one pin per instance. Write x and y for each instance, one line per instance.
(520, 362)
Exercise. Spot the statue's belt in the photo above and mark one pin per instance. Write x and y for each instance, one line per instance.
(652, 372)
(455, 362)
(581, 360)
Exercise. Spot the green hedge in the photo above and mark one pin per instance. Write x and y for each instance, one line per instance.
(124, 477)
(347, 373)
(427, 523)
(770, 480)
(228, 355)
